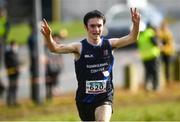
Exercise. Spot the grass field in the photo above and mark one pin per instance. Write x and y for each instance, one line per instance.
(141, 106)
(20, 32)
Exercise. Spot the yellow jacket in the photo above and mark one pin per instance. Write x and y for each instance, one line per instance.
(3, 21)
(166, 37)
(146, 47)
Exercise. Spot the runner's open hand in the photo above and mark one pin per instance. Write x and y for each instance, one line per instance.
(45, 29)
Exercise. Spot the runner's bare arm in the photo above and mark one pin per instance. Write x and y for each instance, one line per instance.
(132, 36)
(55, 47)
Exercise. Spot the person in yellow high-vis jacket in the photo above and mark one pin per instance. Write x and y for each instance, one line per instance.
(150, 53)
(4, 29)
(166, 38)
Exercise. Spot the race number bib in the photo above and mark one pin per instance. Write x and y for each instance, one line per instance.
(95, 87)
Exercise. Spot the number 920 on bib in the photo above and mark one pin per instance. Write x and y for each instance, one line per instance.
(96, 87)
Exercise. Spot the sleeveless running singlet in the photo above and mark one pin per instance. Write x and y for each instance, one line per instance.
(94, 73)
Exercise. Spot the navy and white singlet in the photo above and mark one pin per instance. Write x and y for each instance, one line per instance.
(94, 73)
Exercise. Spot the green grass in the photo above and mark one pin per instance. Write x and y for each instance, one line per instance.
(148, 112)
(20, 32)
(153, 112)
(75, 29)
(142, 106)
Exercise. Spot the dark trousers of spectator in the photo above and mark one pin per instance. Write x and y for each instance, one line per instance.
(51, 82)
(166, 60)
(151, 72)
(49, 88)
(12, 90)
(2, 88)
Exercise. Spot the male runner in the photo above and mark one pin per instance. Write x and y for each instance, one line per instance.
(93, 61)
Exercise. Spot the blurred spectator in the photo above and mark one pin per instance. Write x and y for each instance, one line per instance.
(167, 49)
(54, 66)
(12, 67)
(150, 53)
(34, 64)
(4, 29)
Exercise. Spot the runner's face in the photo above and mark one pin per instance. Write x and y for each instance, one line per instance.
(95, 28)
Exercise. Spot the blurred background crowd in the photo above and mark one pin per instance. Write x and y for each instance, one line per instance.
(29, 71)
